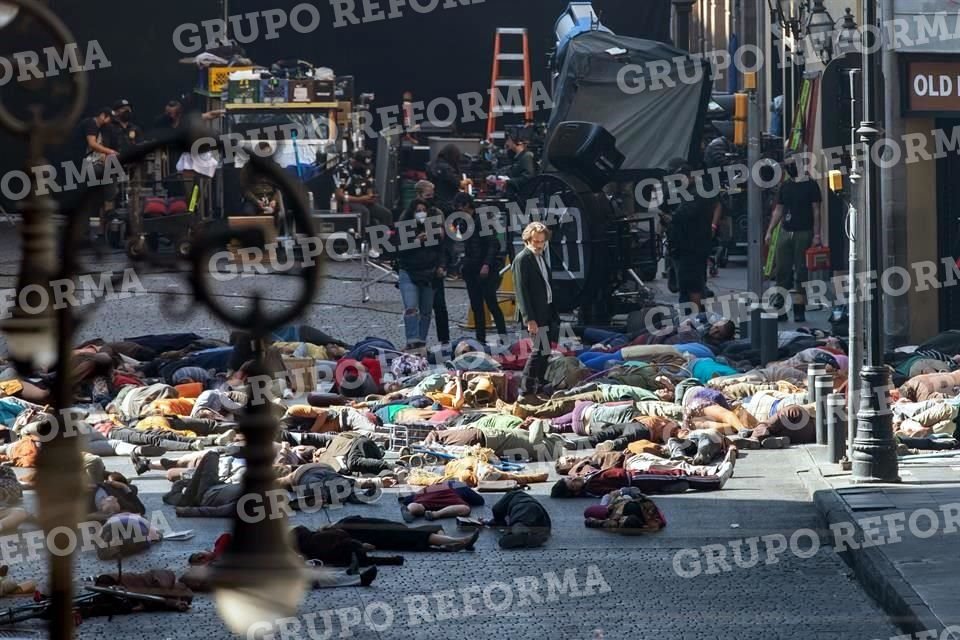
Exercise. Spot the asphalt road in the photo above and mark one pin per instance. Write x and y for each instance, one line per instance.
(620, 587)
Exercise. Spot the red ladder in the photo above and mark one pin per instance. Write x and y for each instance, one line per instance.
(501, 87)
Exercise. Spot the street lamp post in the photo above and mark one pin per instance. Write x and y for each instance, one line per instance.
(259, 565)
(36, 335)
(874, 448)
(820, 29)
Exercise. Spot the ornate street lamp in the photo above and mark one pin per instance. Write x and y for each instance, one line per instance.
(848, 39)
(36, 336)
(819, 27)
(259, 578)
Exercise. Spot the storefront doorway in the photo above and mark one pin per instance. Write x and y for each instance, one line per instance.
(948, 224)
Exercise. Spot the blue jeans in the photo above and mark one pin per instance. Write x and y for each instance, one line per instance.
(417, 308)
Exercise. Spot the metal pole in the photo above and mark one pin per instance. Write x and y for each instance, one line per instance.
(854, 335)
(761, 30)
(874, 449)
(768, 338)
(813, 370)
(836, 426)
(754, 200)
(823, 387)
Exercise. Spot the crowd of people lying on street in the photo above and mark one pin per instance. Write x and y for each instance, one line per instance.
(621, 418)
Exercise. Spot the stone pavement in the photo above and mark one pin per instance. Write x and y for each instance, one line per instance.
(622, 587)
(908, 560)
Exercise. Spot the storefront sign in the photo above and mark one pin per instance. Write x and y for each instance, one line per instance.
(932, 87)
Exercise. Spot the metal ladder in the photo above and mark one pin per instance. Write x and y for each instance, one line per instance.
(505, 87)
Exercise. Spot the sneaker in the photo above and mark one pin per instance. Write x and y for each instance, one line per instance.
(150, 451)
(139, 464)
(746, 443)
(605, 446)
(225, 438)
(167, 464)
(368, 576)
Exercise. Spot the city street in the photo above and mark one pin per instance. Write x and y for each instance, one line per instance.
(791, 598)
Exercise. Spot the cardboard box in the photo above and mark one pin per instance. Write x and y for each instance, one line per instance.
(323, 91)
(301, 374)
(300, 90)
(274, 90)
(264, 222)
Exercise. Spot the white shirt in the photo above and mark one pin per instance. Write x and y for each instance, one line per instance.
(546, 278)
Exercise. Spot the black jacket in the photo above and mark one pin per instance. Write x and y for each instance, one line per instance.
(482, 247)
(531, 289)
(519, 507)
(524, 168)
(446, 180)
(421, 259)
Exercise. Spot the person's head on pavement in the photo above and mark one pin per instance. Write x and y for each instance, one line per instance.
(567, 488)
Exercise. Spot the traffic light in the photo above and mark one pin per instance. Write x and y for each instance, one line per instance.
(740, 106)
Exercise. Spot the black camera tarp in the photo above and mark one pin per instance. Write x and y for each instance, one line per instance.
(652, 97)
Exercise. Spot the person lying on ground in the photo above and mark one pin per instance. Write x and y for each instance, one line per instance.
(164, 438)
(116, 494)
(352, 452)
(575, 467)
(317, 484)
(206, 493)
(231, 467)
(446, 500)
(706, 408)
(304, 418)
(387, 535)
(12, 513)
(650, 476)
(699, 446)
(626, 511)
(198, 576)
(510, 444)
(526, 521)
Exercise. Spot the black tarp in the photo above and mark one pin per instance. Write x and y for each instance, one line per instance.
(655, 108)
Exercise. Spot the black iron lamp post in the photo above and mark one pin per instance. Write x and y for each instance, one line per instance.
(259, 578)
(37, 336)
(874, 447)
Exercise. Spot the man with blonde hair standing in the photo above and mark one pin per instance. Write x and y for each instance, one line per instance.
(534, 286)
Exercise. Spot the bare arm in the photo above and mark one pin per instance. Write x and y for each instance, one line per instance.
(99, 148)
(816, 223)
(777, 214)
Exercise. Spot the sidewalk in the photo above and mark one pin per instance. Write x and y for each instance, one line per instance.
(915, 578)
(732, 280)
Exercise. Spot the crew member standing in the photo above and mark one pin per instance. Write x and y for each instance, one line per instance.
(693, 224)
(534, 287)
(481, 270)
(798, 206)
(524, 166)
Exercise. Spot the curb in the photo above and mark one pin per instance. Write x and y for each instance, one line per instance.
(875, 573)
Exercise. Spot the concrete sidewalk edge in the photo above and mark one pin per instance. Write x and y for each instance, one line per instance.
(874, 571)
